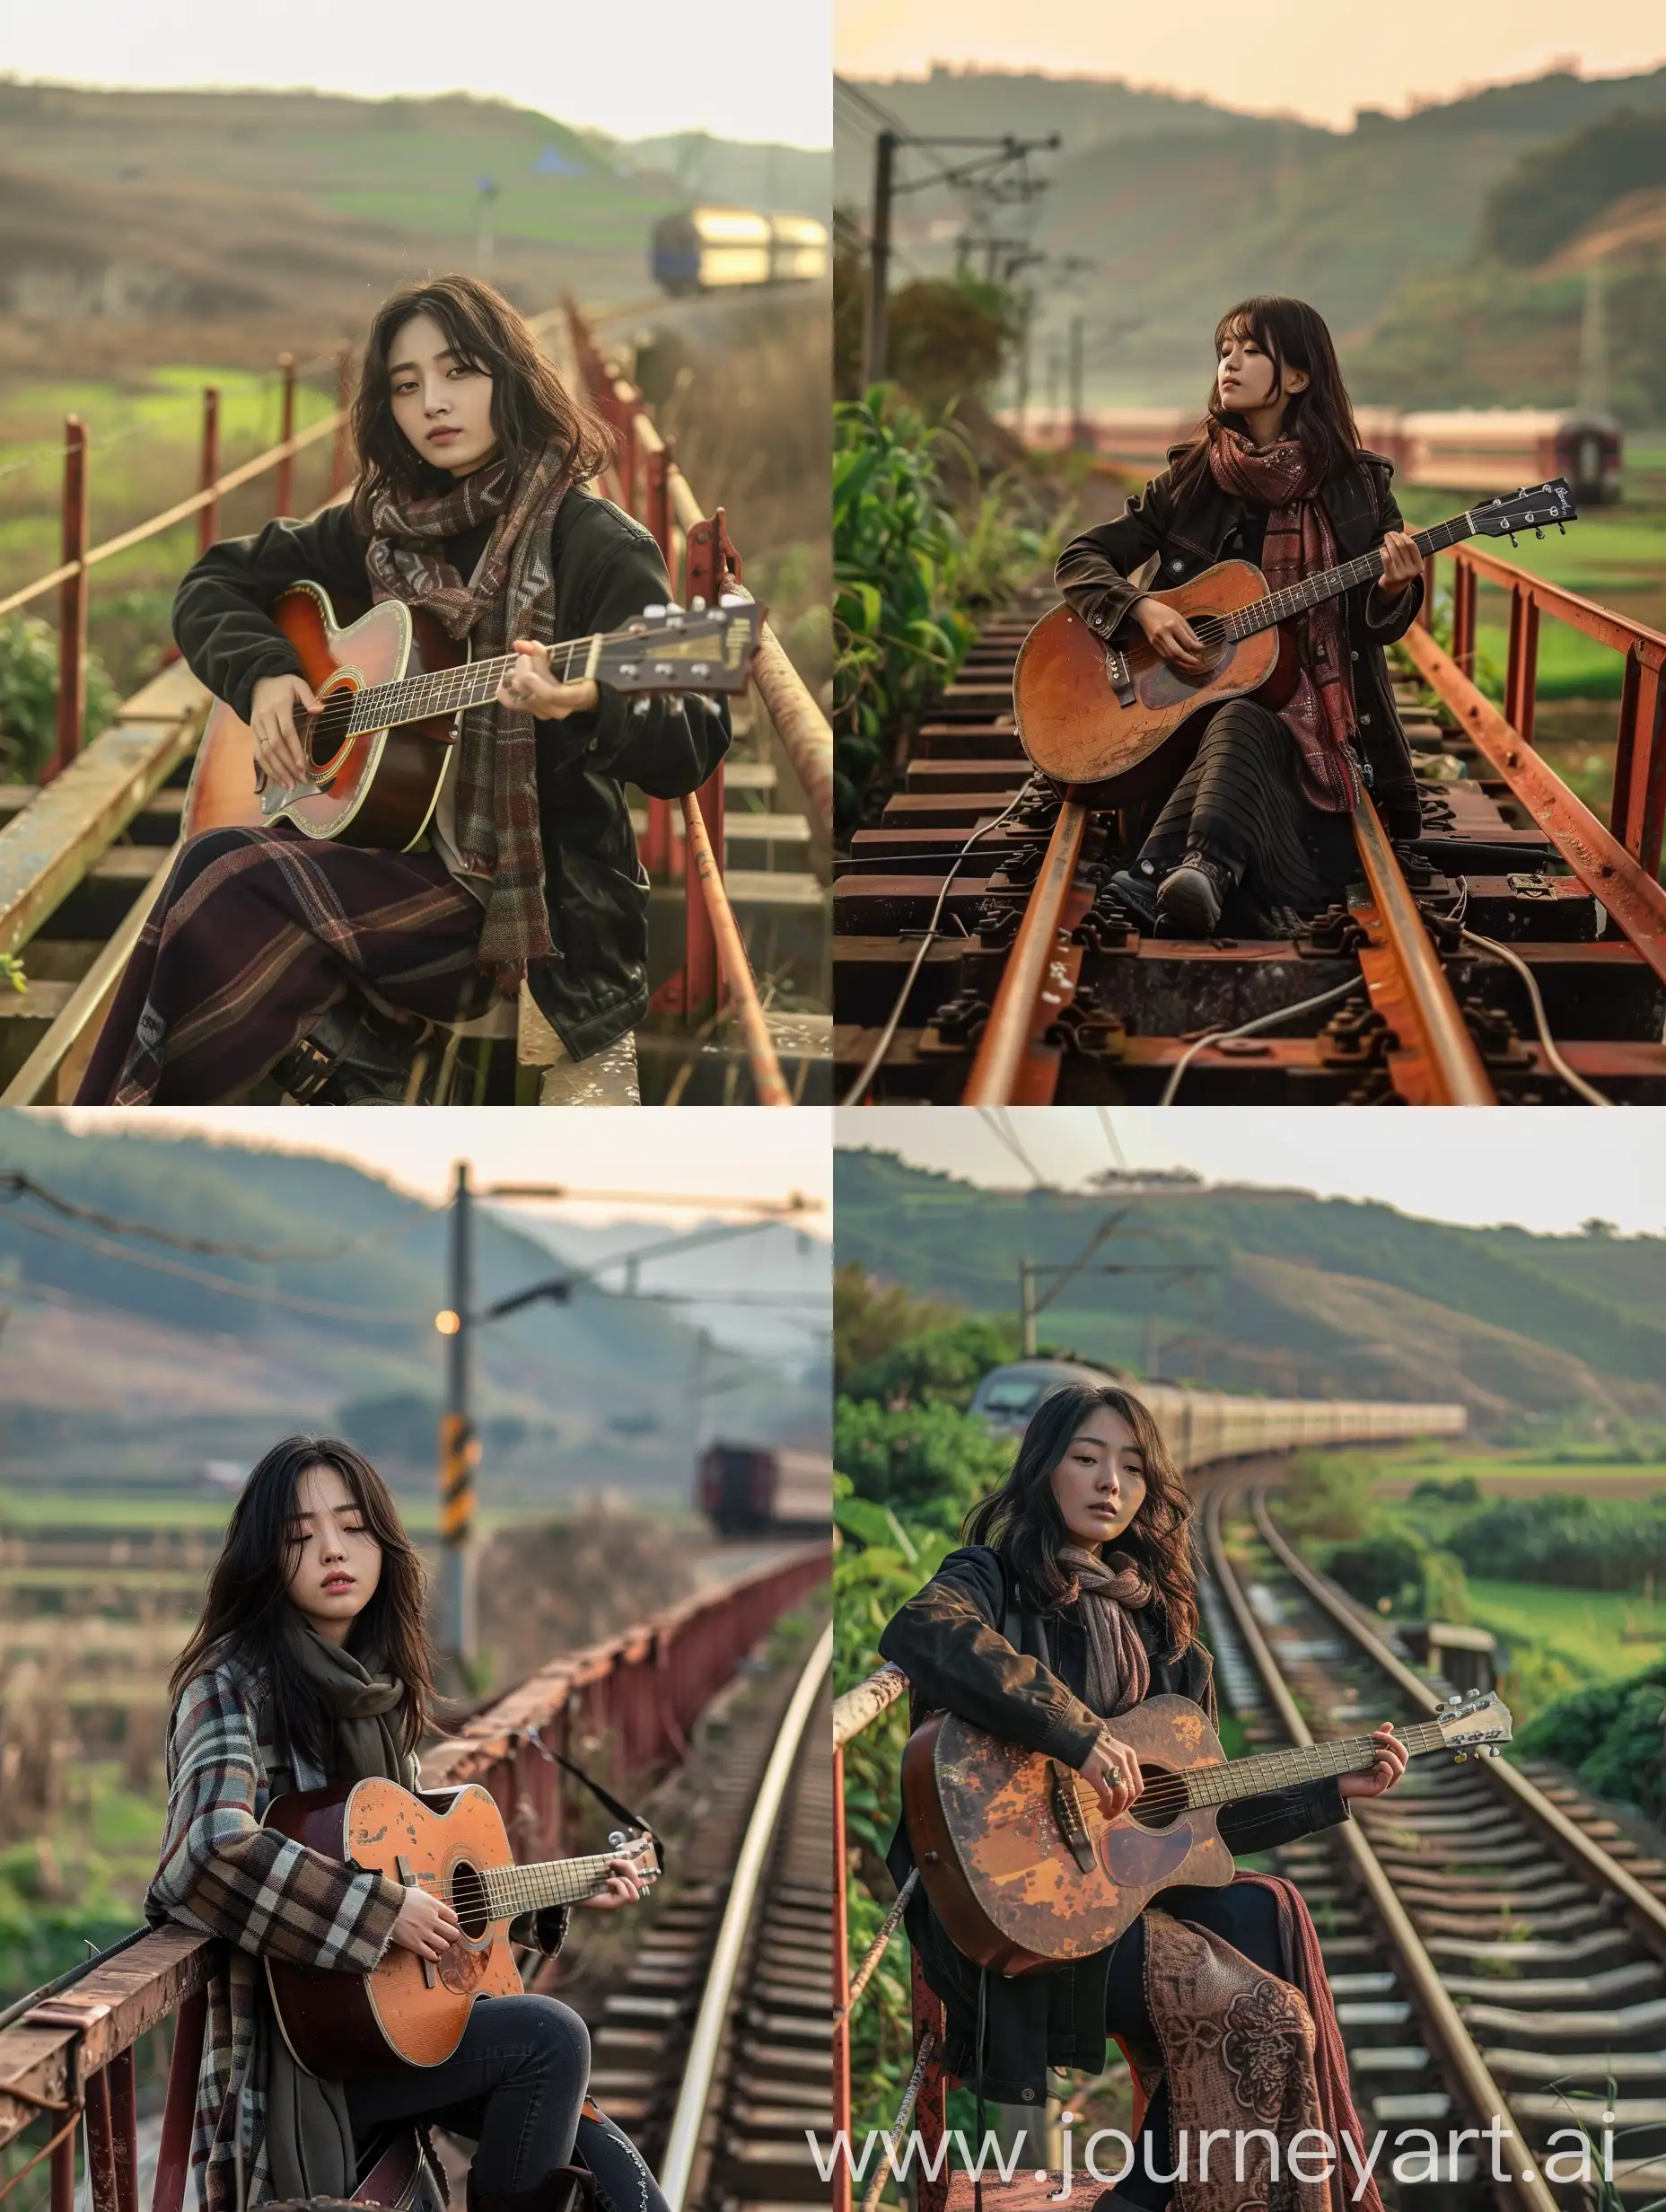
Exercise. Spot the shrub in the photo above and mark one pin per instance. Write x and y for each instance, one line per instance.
(1610, 1734)
(29, 697)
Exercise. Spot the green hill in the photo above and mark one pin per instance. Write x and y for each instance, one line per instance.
(1307, 1296)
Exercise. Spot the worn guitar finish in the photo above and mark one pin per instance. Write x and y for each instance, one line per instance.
(451, 1843)
(1024, 1870)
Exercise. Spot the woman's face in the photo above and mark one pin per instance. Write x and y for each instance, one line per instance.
(443, 406)
(1100, 1484)
(1245, 378)
(335, 1563)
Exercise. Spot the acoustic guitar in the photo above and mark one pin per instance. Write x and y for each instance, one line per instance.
(1109, 721)
(389, 688)
(1024, 1870)
(451, 1843)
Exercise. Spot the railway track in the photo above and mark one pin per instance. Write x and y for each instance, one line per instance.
(1039, 987)
(1495, 1944)
(710, 2041)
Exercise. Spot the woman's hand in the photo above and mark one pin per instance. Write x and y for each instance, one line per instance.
(1171, 635)
(1112, 1772)
(624, 1886)
(426, 1924)
(279, 753)
(1402, 563)
(1390, 1764)
(531, 689)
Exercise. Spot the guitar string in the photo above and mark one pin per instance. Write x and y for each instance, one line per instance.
(1171, 1793)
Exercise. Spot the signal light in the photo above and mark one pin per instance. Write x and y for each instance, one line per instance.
(448, 1323)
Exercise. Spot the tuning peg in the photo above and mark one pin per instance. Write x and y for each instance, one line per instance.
(617, 1839)
(641, 705)
(697, 605)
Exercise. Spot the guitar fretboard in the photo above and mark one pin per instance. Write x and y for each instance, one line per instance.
(1263, 614)
(1310, 1762)
(442, 691)
(510, 1891)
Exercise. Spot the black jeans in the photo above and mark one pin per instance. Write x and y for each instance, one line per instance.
(514, 2084)
(1246, 1915)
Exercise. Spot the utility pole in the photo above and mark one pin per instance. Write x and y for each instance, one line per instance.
(1027, 1308)
(487, 187)
(876, 334)
(1078, 416)
(459, 1450)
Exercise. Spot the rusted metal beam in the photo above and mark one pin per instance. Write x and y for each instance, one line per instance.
(1441, 1064)
(208, 513)
(72, 610)
(284, 484)
(1013, 1019)
(1613, 875)
(702, 864)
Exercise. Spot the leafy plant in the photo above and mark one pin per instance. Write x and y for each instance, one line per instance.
(28, 697)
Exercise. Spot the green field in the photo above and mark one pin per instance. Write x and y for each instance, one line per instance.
(1502, 1471)
(1587, 1625)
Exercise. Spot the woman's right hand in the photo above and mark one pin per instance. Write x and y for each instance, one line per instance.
(1112, 1772)
(278, 750)
(427, 1925)
(1172, 636)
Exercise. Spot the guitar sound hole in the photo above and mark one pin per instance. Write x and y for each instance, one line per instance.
(329, 727)
(1161, 1801)
(469, 1900)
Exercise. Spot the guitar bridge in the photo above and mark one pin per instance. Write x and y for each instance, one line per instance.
(1068, 1813)
(1119, 676)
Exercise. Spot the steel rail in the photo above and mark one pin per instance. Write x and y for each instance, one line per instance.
(1006, 1036)
(1647, 1912)
(1440, 2016)
(711, 2023)
(1452, 1073)
(766, 1076)
(862, 1704)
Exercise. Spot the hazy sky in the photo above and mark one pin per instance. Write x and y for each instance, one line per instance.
(746, 69)
(1547, 1170)
(708, 1152)
(1307, 58)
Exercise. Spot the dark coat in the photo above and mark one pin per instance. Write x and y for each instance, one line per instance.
(607, 569)
(968, 1644)
(1179, 534)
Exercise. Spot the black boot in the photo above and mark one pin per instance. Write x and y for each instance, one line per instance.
(1135, 892)
(1190, 903)
(354, 1056)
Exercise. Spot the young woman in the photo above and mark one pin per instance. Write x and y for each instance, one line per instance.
(270, 954)
(1074, 1602)
(312, 1665)
(1274, 474)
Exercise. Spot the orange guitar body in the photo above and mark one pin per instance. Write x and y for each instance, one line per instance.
(381, 787)
(412, 2010)
(1103, 749)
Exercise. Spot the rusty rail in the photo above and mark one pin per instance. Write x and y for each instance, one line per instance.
(71, 2057)
(1018, 1006)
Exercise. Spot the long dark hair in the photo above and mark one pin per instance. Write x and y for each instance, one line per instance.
(531, 408)
(1021, 1518)
(246, 1608)
(1294, 335)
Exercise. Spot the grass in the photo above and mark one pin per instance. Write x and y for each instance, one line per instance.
(1586, 1625)
(1493, 1469)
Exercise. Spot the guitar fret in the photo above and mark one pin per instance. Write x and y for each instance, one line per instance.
(1294, 599)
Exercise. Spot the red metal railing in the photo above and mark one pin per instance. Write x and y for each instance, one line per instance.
(624, 1707)
(1619, 863)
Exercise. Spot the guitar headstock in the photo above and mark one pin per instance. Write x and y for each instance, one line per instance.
(1473, 1722)
(1534, 507)
(697, 648)
(641, 1851)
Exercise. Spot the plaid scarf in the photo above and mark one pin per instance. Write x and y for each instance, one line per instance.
(1299, 543)
(508, 597)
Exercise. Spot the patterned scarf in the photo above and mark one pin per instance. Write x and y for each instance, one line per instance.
(1299, 543)
(510, 596)
(1108, 1588)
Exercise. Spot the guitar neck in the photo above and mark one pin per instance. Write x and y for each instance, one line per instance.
(442, 691)
(1265, 614)
(1311, 1762)
(512, 1890)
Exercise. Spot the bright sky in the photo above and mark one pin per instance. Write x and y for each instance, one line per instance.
(711, 1153)
(747, 69)
(1307, 58)
(1547, 1170)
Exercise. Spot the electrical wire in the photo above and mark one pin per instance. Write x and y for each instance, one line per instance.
(1576, 1083)
(854, 1096)
(14, 1184)
(1250, 1029)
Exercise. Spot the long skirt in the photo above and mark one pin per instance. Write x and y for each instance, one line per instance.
(1241, 801)
(255, 934)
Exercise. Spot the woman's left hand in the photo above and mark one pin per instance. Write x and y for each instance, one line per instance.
(531, 688)
(1390, 1764)
(1402, 563)
(624, 1886)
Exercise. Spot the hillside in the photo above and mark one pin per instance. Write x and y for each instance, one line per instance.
(1183, 208)
(110, 1368)
(1306, 1296)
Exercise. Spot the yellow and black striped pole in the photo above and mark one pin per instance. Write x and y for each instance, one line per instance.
(459, 1449)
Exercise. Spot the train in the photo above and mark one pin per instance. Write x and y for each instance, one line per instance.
(723, 248)
(1200, 1426)
(1455, 449)
(755, 1489)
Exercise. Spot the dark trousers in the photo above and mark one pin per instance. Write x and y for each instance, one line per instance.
(1243, 1914)
(514, 2086)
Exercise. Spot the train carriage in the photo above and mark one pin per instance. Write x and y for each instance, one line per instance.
(703, 250)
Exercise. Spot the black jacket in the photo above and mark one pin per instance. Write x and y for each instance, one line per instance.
(1184, 533)
(607, 569)
(968, 1644)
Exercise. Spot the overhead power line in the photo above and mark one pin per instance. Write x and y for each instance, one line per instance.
(15, 1185)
